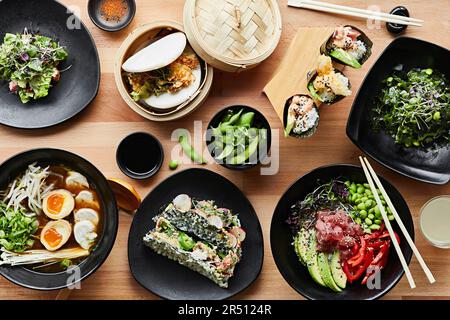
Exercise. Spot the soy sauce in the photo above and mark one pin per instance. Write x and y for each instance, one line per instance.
(139, 155)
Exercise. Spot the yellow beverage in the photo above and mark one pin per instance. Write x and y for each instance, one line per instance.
(435, 221)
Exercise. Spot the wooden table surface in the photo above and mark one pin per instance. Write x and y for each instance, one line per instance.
(95, 133)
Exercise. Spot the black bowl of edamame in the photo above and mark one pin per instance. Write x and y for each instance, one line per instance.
(239, 137)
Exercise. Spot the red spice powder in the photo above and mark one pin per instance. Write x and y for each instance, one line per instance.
(113, 10)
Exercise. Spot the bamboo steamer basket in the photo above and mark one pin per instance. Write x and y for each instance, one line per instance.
(233, 35)
(136, 41)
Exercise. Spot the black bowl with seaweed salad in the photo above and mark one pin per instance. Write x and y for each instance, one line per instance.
(401, 115)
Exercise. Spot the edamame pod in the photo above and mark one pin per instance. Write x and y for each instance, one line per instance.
(189, 150)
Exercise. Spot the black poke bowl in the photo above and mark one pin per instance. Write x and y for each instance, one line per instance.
(34, 279)
(259, 122)
(297, 275)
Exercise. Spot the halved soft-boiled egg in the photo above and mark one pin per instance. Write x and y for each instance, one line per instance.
(58, 204)
(84, 232)
(55, 234)
(87, 214)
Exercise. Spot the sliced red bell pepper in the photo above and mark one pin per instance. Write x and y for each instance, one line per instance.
(346, 269)
(359, 257)
(384, 260)
(358, 272)
(378, 263)
(355, 248)
(386, 235)
(383, 249)
(377, 244)
(373, 235)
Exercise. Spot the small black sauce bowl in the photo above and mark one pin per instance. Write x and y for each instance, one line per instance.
(259, 121)
(94, 7)
(139, 155)
(394, 27)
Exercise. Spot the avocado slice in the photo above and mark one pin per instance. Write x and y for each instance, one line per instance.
(302, 244)
(338, 274)
(325, 272)
(345, 57)
(313, 92)
(311, 260)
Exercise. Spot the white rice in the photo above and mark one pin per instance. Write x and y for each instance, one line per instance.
(307, 122)
(326, 95)
(358, 50)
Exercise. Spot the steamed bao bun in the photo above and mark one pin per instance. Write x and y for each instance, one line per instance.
(177, 84)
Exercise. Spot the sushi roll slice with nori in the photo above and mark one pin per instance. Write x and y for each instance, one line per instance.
(203, 219)
(165, 239)
(301, 116)
(198, 235)
(327, 84)
(349, 46)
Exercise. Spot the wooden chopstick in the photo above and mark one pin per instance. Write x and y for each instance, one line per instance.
(357, 10)
(400, 224)
(388, 226)
(370, 15)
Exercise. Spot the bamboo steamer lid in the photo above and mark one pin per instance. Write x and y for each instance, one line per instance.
(233, 35)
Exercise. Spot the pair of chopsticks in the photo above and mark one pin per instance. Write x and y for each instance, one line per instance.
(370, 173)
(355, 12)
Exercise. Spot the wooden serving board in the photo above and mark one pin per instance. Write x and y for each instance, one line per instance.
(291, 76)
(96, 132)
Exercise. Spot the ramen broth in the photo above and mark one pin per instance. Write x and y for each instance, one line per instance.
(57, 177)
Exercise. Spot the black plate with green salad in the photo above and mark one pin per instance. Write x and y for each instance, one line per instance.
(401, 114)
(49, 66)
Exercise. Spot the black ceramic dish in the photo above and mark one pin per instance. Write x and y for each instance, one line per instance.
(32, 279)
(429, 166)
(167, 278)
(394, 27)
(94, 11)
(259, 121)
(140, 155)
(78, 85)
(287, 261)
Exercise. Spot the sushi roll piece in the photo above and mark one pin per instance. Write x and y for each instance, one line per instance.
(205, 221)
(301, 116)
(349, 46)
(199, 256)
(327, 84)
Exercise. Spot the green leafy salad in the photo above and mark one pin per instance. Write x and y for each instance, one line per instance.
(413, 107)
(30, 63)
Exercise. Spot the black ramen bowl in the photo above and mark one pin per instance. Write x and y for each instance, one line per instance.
(431, 165)
(287, 261)
(259, 121)
(78, 85)
(33, 279)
